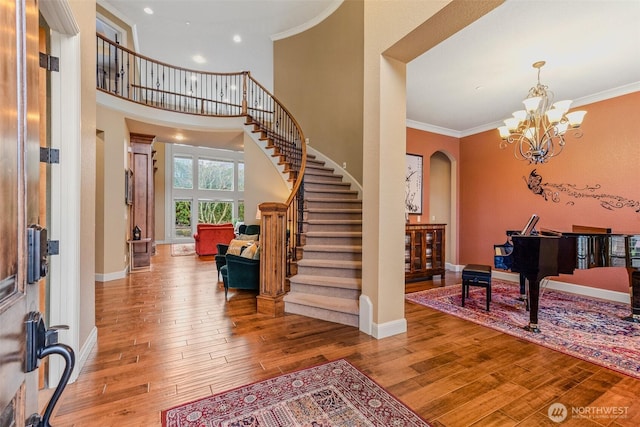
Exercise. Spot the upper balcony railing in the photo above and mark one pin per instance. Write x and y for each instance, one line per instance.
(129, 75)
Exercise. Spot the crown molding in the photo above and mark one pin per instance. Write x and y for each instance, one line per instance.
(590, 99)
(607, 94)
(432, 128)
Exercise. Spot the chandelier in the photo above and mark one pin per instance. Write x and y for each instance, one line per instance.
(538, 132)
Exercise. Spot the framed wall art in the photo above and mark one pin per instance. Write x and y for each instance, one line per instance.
(413, 185)
(128, 186)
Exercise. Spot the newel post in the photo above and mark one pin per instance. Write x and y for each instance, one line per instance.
(244, 93)
(273, 263)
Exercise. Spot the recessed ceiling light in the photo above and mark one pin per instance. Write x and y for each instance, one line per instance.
(148, 11)
(237, 38)
(188, 23)
(179, 137)
(199, 59)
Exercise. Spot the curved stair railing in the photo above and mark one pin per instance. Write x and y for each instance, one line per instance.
(126, 74)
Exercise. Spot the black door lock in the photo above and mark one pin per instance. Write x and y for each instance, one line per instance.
(37, 251)
(42, 342)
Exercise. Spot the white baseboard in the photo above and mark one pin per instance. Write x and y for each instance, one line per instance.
(621, 297)
(388, 329)
(111, 276)
(365, 314)
(384, 330)
(83, 355)
(453, 267)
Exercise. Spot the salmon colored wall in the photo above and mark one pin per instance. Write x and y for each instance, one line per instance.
(494, 196)
(425, 144)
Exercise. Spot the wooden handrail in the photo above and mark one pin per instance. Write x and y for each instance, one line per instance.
(126, 74)
(303, 144)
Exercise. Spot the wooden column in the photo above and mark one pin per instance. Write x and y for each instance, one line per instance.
(273, 263)
(142, 210)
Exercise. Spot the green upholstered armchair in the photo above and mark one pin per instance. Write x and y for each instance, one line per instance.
(222, 248)
(240, 273)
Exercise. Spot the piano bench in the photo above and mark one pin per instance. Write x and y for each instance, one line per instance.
(476, 275)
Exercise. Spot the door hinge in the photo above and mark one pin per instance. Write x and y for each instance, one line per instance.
(49, 155)
(53, 247)
(48, 62)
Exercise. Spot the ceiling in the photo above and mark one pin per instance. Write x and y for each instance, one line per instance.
(467, 84)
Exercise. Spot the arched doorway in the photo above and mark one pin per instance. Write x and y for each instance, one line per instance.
(442, 199)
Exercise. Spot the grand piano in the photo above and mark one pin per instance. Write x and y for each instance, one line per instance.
(550, 253)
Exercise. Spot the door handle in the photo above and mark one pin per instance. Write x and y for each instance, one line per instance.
(43, 342)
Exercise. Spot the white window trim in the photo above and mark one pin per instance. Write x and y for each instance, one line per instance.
(196, 195)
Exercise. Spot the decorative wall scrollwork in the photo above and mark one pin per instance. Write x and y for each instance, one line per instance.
(554, 192)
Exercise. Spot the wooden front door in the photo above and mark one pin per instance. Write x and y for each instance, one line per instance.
(19, 202)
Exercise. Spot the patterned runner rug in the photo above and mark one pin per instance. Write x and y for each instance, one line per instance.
(182, 249)
(587, 328)
(332, 394)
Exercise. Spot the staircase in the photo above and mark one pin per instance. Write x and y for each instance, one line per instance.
(328, 282)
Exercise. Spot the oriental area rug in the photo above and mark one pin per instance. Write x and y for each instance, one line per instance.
(587, 328)
(331, 394)
(183, 249)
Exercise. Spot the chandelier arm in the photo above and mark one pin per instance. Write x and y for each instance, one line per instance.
(538, 132)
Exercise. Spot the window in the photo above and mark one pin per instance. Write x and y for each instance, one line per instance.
(108, 30)
(203, 185)
(182, 215)
(215, 174)
(182, 172)
(240, 176)
(241, 210)
(218, 212)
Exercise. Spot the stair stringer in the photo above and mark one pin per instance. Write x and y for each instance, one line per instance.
(269, 152)
(346, 176)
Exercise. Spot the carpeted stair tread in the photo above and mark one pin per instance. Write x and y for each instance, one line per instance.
(318, 168)
(333, 248)
(341, 305)
(331, 191)
(334, 233)
(316, 180)
(334, 221)
(332, 199)
(325, 178)
(336, 210)
(328, 284)
(329, 263)
(335, 282)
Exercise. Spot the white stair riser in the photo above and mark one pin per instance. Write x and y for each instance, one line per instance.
(320, 313)
(332, 240)
(353, 294)
(319, 288)
(321, 176)
(334, 256)
(318, 170)
(334, 216)
(333, 204)
(330, 272)
(338, 185)
(330, 194)
(344, 226)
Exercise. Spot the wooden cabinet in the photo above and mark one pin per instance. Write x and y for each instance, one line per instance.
(423, 251)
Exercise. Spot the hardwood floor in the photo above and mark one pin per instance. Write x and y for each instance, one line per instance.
(167, 336)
